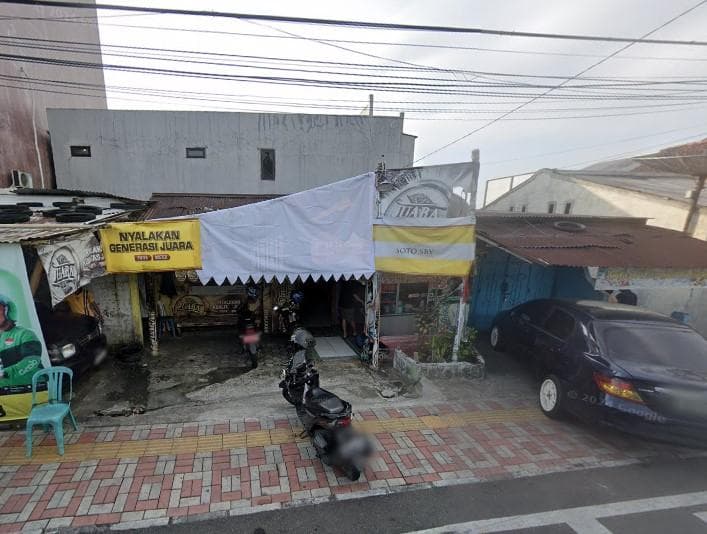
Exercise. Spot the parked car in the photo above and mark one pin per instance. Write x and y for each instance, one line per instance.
(73, 340)
(622, 366)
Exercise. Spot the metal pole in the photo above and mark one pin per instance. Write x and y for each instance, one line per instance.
(370, 105)
(694, 202)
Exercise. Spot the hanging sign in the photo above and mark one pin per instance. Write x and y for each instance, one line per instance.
(22, 348)
(71, 264)
(425, 223)
(167, 245)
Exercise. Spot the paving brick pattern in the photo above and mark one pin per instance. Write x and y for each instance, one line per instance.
(150, 475)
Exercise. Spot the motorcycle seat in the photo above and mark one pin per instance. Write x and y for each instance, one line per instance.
(324, 401)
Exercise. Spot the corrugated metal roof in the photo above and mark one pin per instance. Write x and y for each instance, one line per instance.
(17, 233)
(636, 175)
(598, 242)
(41, 228)
(177, 204)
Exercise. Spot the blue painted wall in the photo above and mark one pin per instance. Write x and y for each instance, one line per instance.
(502, 281)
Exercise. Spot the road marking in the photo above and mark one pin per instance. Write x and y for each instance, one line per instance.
(582, 519)
(702, 516)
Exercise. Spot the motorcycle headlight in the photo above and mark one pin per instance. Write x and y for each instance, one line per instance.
(68, 350)
(275, 308)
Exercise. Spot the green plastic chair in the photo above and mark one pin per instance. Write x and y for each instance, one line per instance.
(53, 412)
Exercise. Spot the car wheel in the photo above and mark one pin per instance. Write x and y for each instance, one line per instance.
(496, 339)
(551, 397)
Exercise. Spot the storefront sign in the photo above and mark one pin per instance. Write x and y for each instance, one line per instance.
(152, 246)
(22, 349)
(71, 264)
(425, 223)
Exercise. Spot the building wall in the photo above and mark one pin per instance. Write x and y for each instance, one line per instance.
(19, 105)
(502, 281)
(592, 199)
(137, 153)
(112, 295)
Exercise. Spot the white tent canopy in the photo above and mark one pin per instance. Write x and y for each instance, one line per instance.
(320, 233)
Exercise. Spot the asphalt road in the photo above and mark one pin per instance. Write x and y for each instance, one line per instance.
(659, 497)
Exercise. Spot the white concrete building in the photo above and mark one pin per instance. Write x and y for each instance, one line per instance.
(609, 191)
(620, 188)
(137, 153)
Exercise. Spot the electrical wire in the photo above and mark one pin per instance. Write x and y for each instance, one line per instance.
(359, 42)
(583, 71)
(351, 23)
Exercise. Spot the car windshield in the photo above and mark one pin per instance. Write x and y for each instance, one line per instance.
(653, 344)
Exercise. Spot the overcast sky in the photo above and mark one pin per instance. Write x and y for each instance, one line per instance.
(508, 146)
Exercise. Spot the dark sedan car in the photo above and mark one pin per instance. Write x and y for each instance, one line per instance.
(73, 340)
(623, 366)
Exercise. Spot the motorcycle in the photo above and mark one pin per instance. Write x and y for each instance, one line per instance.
(249, 338)
(293, 375)
(326, 418)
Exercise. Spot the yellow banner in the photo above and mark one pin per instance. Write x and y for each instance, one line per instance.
(425, 250)
(16, 406)
(152, 246)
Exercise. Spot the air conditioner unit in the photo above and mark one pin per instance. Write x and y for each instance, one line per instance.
(21, 179)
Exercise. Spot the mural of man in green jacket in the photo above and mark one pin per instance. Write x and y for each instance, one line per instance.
(20, 349)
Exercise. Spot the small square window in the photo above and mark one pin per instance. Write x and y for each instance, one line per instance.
(551, 207)
(80, 151)
(267, 164)
(568, 208)
(512, 208)
(196, 152)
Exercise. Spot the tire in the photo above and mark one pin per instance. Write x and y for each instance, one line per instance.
(30, 204)
(253, 351)
(85, 208)
(9, 217)
(125, 206)
(286, 395)
(496, 339)
(64, 204)
(74, 216)
(551, 397)
(352, 472)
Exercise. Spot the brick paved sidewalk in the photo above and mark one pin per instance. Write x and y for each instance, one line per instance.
(132, 476)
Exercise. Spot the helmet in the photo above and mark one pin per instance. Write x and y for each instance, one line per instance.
(297, 297)
(252, 292)
(10, 308)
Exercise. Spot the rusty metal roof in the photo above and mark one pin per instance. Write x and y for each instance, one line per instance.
(585, 241)
(177, 204)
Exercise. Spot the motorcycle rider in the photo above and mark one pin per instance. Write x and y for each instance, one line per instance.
(20, 349)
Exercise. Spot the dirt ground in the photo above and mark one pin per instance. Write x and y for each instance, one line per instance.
(201, 377)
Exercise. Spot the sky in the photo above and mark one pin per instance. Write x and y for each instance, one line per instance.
(550, 134)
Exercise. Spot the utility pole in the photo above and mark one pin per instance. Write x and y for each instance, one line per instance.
(694, 202)
(370, 105)
(464, 297)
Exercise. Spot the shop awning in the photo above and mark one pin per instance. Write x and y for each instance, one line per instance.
(322, 233)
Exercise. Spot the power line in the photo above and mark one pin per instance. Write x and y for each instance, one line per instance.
(322, 102)
(583, 71)
(437, 86)
(74, 47)
(587, 147)
(352, 23)
(179, 97)
(449, 87)
(358, 42)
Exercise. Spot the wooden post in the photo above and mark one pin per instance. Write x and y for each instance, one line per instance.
(36, 276)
